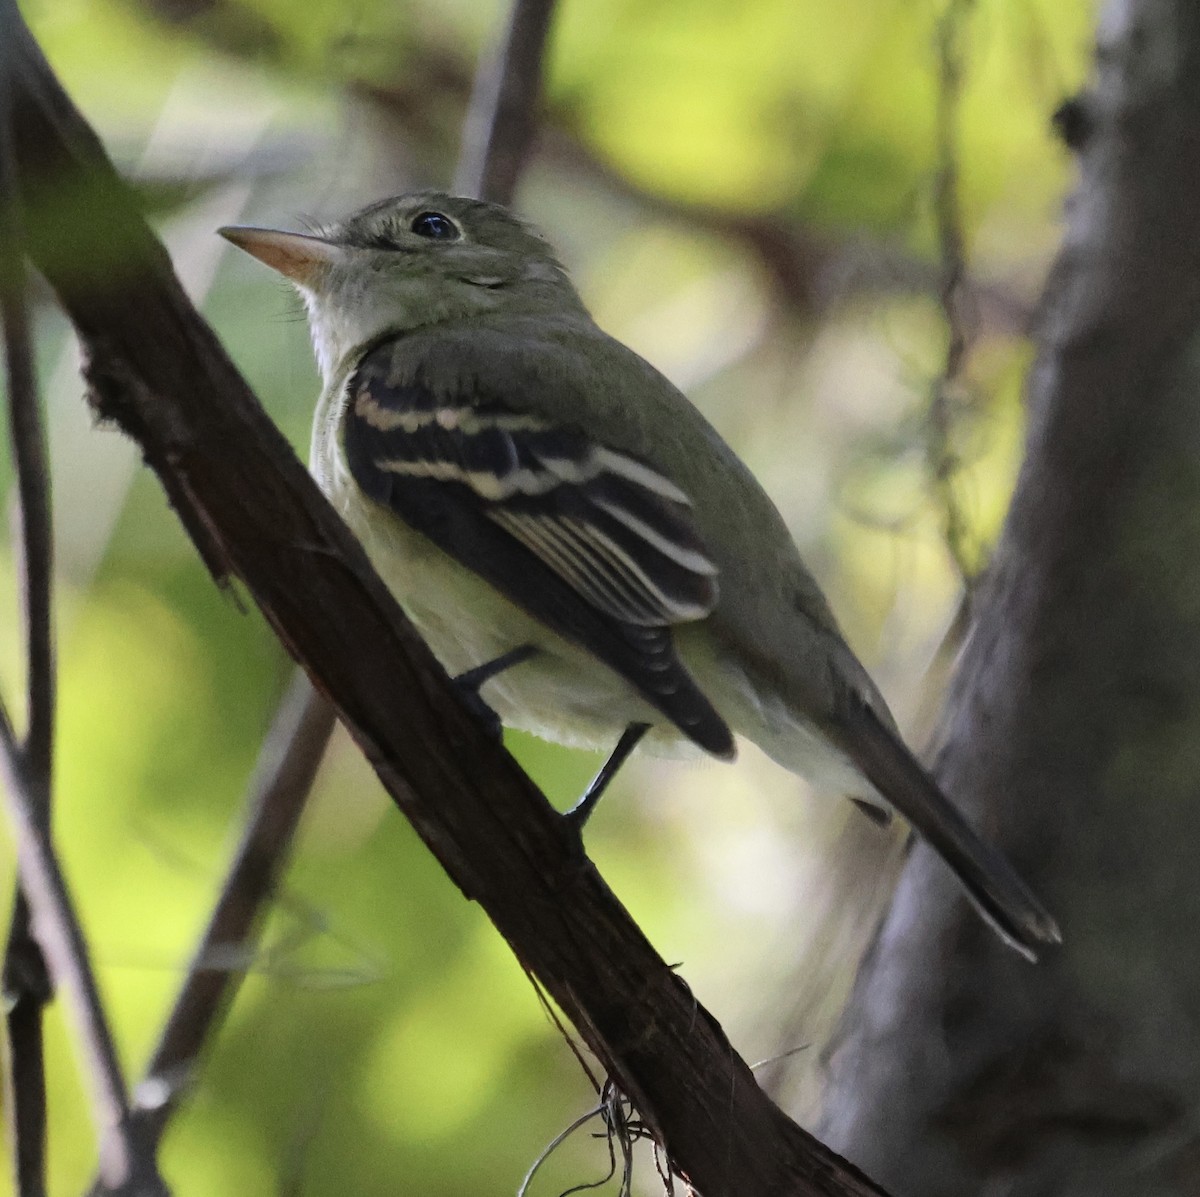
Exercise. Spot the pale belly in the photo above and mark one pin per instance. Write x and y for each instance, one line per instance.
(563, 693)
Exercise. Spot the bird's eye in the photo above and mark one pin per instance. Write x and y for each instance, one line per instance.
(435, 226)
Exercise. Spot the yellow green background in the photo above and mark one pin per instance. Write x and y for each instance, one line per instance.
(384, 1040)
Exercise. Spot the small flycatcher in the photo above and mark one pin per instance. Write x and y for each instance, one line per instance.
(568, 532)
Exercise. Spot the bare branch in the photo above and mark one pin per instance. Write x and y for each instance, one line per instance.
(33, 490)
(25, 1079)
(61, 940)
(33, 484)
(156, 370)
(502, 115)
(287, 767)
(27, 986)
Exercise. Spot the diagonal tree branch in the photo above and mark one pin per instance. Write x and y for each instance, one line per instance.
(156, 370)
(297, 741)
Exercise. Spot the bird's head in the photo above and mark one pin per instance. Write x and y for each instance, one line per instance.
(408, 262)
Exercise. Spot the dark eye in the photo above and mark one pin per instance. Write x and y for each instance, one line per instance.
(435, 226)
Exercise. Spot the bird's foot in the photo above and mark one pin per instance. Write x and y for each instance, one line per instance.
(579, 814)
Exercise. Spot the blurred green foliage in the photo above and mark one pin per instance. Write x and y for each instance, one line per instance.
(744, 193)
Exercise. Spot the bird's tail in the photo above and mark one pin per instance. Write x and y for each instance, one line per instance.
(1003, 899)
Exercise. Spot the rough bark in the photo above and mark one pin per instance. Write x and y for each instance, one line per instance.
(1074, 721)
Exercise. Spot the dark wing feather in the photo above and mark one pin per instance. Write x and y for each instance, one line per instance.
(592, 542)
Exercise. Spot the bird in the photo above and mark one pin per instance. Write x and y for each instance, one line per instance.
(576, 543)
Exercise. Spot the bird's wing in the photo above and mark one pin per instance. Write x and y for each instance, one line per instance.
(593, 542)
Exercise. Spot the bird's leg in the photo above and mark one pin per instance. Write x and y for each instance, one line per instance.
(578, 815)
(473, 679)
(469, 683)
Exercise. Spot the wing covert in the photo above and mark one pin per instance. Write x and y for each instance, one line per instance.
(621, 532)
(594, 542)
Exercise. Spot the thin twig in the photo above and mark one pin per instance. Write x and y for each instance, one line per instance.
(33, 482)
(26, 981)
(502, 115)
(288, 764)
(552, 1014)
(27, 986)
(952, 293)
(44, 906)
(9, 257)
(36, 554)
(61, 939)
(28, 990)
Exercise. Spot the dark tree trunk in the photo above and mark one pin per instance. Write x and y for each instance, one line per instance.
(1073, 730)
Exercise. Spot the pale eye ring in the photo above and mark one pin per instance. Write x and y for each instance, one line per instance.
(435, 226)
